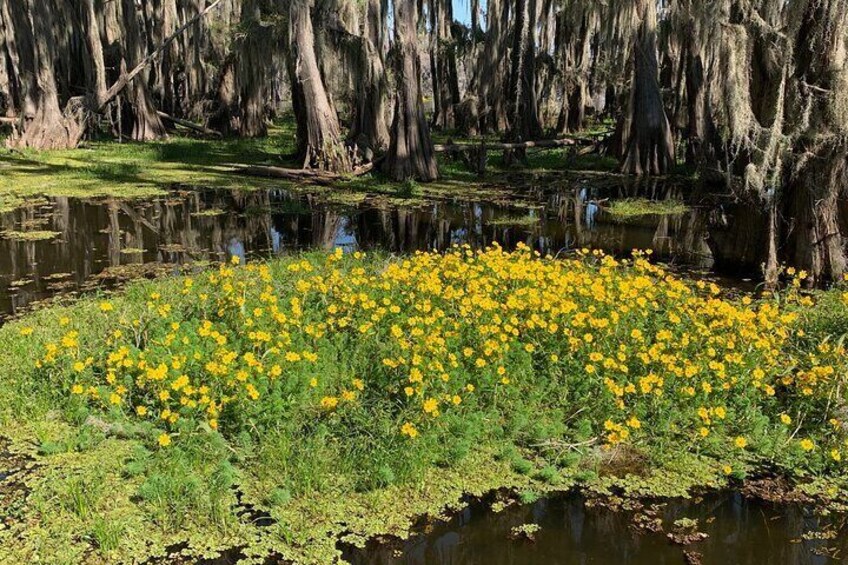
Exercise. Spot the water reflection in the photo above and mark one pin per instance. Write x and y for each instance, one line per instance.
(100, 239)
(741, 532)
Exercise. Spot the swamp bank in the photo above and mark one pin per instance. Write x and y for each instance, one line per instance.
(280, 407)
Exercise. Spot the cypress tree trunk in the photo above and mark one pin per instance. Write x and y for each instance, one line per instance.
(646, 139)
(432, 50)
(445, 80)
(48, 127)
(491, 105)
(167, 88)
(812, 195)
(572, 115)
(96, 67)
(523, 111)
(411, 152)
(196, 83)
(319, 134)
(818, 178)
(7, 87)
(224, 117)
(369, 123)
(21, 52)
(251, 76)
(6, 104)
(146, 123)
(696, 130)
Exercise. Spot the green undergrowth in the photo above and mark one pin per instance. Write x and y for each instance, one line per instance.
(280, 407)
(138, 170)
(143, 170)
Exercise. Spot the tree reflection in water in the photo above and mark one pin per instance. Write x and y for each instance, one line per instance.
(100, 240)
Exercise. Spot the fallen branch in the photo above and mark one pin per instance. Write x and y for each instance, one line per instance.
(127, 78)
(190, 125)
(542, 143)
(317, 177)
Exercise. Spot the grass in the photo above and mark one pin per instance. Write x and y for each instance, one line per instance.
(339, 396)
(455, 182)
(132, 170)
(628, 208)
(136, 170)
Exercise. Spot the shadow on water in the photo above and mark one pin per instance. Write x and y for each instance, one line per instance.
(99, 242)
(740, 532)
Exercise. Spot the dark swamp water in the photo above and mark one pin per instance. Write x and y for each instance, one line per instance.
(97, 242)
(739, 531)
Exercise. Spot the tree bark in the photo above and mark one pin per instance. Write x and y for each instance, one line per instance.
(411, 152)
(20, 51)
(252, 73)
(577, 54)
(49, 127)
(646, 138)
(445, 80)
(146, 124)
(319, 134)
(7, 101)
(818, 179)
(491, 86)
(96, 63)
(523, 110)
(370, 130)
(696, 100)
(224, 117)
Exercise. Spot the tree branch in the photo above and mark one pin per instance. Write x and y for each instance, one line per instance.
(127, 78)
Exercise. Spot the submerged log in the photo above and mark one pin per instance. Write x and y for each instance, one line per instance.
(311, 175)
(541, 144)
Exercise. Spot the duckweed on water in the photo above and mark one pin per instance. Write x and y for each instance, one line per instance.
(35, 235)
(628, 208)
(345, 393)
(519, 221)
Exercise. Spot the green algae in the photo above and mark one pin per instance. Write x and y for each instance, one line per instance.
(636, 207)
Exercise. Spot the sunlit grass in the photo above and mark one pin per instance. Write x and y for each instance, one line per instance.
(138, 170)
(130, 170)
